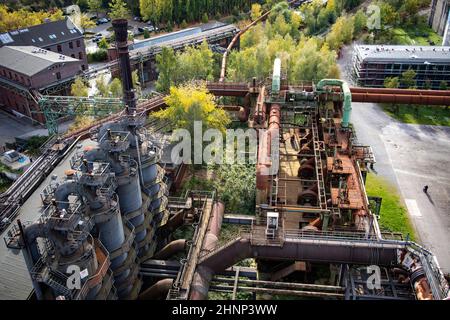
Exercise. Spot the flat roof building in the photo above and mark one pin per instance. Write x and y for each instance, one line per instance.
(373, 63)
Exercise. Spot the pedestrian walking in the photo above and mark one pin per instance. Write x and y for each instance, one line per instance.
(425, 189)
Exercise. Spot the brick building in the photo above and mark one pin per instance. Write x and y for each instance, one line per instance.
(62, 37)
(25, 71)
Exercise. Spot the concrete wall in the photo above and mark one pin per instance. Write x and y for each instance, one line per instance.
(438, 15)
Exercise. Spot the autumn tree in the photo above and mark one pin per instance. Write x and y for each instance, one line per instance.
(256, 11)
(12, 20)
(192, 102)
(191, 106)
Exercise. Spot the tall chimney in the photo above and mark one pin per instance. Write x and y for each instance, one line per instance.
(121, 33)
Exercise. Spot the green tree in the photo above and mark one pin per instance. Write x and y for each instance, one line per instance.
(118, 10)
(205, 18)
(389, 15)
(166, 64)
(407, 79)
(146, 34)
(79, 88)
(392, 82)
(360, 22)
(102, 86)
(443, 85)
(341, 33)
(103, 43)
(95, 5)
(136, 82)
(115, 88)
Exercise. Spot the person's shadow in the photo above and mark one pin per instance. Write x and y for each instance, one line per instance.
(429, 198)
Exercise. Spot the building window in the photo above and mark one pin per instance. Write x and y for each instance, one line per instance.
(59, 48)
(71, 45)
(58, 75)
(78, 43)
(10, 75)
(80, 56)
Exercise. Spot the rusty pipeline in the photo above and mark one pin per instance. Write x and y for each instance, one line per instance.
(203, 275)
(172, 224)
(260, 109)
(265, 145)
(402, 98)
(157, 291)
(171, 249)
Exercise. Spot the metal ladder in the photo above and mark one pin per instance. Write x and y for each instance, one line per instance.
(318, 148)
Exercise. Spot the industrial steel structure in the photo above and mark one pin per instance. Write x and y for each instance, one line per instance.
(113, 218)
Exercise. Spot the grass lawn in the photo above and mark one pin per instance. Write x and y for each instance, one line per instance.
(394, 216)
(430, 115)
(420, 36)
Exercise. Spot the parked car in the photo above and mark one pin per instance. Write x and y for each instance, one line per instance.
(97, 37)
(102, 21)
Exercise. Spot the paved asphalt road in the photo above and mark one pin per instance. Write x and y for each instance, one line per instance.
(411, 156)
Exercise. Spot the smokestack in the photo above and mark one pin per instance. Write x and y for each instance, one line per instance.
(121, 34)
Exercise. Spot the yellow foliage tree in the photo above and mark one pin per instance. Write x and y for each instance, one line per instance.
(12, 20)
(190, 103)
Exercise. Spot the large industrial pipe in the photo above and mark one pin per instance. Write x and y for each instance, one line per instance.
(203, 275)
(400, 91)
(405, 98)
(265, 145)
(170, 249)
(347, 97)
(276, 77)
(175, 222)
(157, 291)
(260, 109)
(121, 33)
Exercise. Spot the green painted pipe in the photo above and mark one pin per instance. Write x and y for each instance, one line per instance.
(276, 78)
(347, 97)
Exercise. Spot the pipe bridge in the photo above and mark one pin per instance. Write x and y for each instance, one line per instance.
(335, 247)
